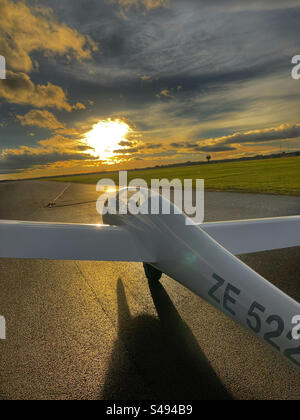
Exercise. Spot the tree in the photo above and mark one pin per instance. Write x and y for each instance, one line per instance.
(208, 157)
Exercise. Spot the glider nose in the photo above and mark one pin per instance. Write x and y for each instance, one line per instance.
(119, 206)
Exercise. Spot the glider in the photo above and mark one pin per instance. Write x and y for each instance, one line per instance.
(201, 257)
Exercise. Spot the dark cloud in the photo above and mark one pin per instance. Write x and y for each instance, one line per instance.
(130, 150)
(144, 5)
(225, 143)
(283, 132)
(138, 148)
(126, 143)
(12, 161)
(151, 146)
(222, 144)
(216, 148)
(185, 145)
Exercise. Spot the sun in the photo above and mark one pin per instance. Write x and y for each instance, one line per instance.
(105, 136)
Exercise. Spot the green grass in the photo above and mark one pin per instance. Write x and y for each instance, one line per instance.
(270, 176)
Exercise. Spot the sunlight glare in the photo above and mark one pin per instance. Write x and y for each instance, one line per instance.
(105, 136)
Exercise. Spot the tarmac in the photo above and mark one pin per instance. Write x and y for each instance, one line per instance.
(99, 330)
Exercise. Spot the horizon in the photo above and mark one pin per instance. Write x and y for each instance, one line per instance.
(149, 168)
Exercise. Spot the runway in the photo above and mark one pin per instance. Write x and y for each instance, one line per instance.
(98, 330)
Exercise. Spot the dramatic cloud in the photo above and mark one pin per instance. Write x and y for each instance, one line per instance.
(141, 4)
(126, 143)
(230, 142)
(19, 89)
(24, 30)
(62, 144)
(185, 145)
(53, 150)
(41, 118)
(22, 159)
(128, 151)
(282, 132)
(146, 78)
(165, 93)
(134, 146)
(151, 146)
(216, 148)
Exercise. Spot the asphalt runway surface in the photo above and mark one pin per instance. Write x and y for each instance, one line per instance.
(99, 330)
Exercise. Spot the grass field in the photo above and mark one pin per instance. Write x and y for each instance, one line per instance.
(270, 176)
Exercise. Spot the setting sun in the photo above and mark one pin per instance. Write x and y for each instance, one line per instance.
(105, 137)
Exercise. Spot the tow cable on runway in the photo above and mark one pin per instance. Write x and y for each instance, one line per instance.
(53, 203)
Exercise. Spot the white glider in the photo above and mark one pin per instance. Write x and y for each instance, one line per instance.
(201, 257)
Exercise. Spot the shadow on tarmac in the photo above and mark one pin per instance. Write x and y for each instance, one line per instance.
(168, 362)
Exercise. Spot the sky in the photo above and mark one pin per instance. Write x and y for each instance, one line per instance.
(96, 85)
